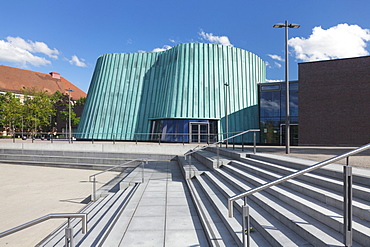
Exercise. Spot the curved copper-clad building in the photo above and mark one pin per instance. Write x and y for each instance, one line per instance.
(179, 94)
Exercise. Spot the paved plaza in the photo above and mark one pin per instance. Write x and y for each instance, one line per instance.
(29, 192)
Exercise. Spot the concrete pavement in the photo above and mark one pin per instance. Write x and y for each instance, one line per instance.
(164, 214)
(29, 192)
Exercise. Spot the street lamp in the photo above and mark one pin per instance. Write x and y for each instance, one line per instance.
(34, 136)
(22, 127)
(69, 113)
(226, 114)
(287, 130)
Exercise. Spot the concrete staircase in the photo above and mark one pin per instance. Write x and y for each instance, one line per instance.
(73, 159)
(156, 212)
(104, 214)
(306, 211)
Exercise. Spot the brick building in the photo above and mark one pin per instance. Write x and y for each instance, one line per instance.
(334, 102)
(14, 80)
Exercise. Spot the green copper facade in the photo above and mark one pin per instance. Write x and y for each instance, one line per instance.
(132, 92)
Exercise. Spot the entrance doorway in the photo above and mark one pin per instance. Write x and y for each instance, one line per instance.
(293, 134)
(199, 132)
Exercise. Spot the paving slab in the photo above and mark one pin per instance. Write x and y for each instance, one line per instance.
(165, 214)
(29, 192)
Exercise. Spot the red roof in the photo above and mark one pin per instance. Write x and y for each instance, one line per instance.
(14, 79)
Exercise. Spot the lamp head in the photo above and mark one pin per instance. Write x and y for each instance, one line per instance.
(279, 25)
(294, 25)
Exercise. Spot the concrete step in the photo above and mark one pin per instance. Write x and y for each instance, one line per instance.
(360, 175)
(102, 214)
(218, 192)
(216, 232)
(61, 159)
(190, 167)
(304, 226)
(327, 215)
(87, 154)
(317, 191)
(210, 159)
(261, 220)
(360, 190)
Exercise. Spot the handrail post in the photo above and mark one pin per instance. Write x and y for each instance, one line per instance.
(218, 156)
(142, 170)
(347, 214)
(94, 189)
(246, 225)
(254, 142)
(189, 166)
(69, 235)
(230, 206)
(243, 142)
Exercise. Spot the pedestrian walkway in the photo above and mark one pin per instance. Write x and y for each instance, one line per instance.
(164, 214)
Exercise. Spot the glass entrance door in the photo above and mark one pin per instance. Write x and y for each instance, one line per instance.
(199, 132)
(293, 134)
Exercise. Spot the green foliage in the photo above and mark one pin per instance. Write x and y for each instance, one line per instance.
(11, 110)
(81, 101)
(64, 115)
(37, 110)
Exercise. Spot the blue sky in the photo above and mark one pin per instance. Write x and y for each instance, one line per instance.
(68, 36)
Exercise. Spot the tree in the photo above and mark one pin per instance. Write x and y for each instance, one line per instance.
(11, 110)
(61, 102)
(38, 108)
(81, 101)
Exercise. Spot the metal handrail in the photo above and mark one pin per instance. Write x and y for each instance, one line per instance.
(114, 137)
(290, 176)
(69, 233)
(93, 197)
(215, 143)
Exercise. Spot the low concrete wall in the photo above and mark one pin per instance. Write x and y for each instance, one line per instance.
(145, 148)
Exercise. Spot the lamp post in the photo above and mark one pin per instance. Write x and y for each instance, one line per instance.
(34, 136)
(22, 127)
(50, 123)
(287, 123)
(226, 113)
(69, 114)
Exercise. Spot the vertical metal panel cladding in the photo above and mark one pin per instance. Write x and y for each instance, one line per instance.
(184, 82)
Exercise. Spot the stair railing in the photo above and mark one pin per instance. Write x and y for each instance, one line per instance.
(93, 177)
(347, 195)
(217, 144)
(68, 230)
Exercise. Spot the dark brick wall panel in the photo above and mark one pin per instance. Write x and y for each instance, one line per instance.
(334, 102)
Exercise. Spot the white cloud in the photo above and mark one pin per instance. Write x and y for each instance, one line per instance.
(77, 61)
(276, 57)
(222, 40)
(278, 65)
(164, 48)
(340, 41)
(33, 47)
(18, 50)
